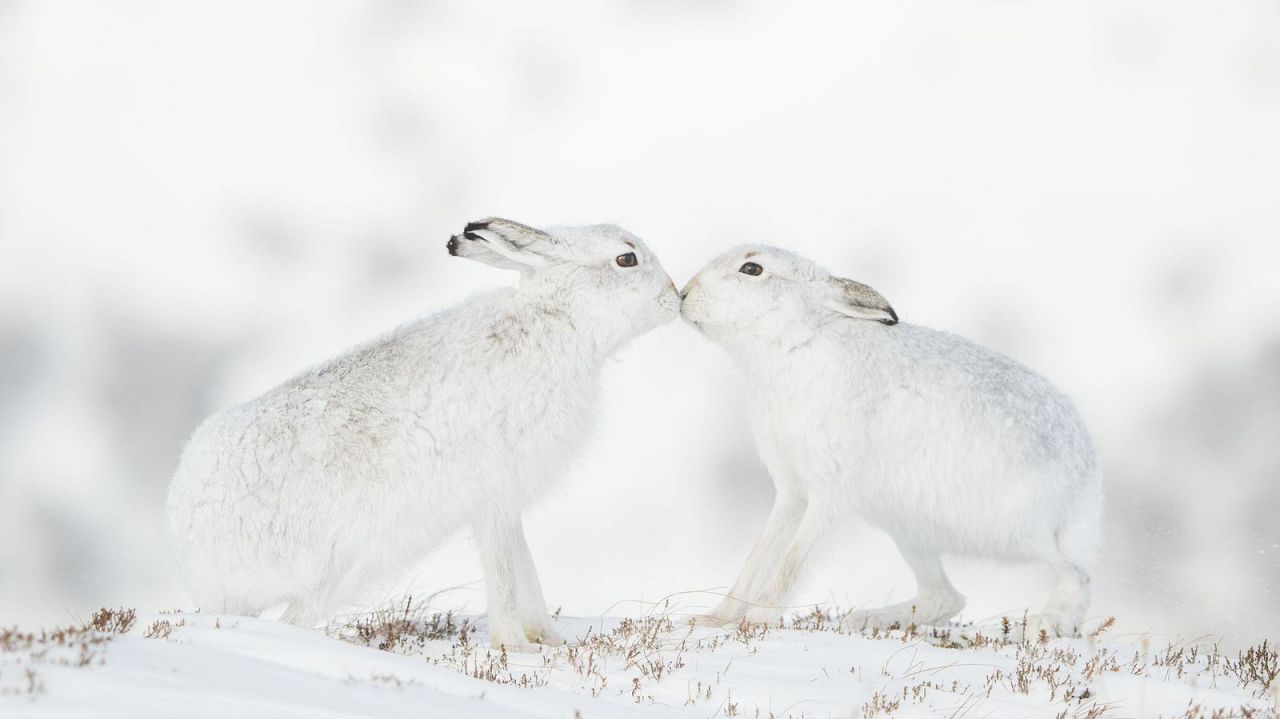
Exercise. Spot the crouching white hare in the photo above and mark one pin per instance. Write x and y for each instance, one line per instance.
(350, 472)
(948, 446)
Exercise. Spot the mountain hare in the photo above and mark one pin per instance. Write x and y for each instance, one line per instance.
(349, 473)
(948, 446)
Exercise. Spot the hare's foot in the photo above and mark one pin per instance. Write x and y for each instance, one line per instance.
(541, 631)
(1047, 626)
(303, 614)
(753, 618)
(727, 613)
(711, 619)
(929, 611)
(508, 633)
(1064, 613)
(765, 616)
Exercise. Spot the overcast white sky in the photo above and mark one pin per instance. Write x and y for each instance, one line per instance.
(197, 200)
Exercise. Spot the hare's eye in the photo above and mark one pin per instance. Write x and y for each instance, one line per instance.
(627, 260)
(751, 268)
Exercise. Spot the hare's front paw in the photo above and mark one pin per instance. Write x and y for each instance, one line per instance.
(1050, 624)
(508, 634)
(764, 617)
(543, 633)
(712, 620)
(925, 610)
(894, 617)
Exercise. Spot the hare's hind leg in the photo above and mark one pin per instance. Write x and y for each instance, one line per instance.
(1064, 612)
(936, 600)
(1075, 547)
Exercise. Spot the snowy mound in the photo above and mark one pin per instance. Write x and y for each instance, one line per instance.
(409, 663)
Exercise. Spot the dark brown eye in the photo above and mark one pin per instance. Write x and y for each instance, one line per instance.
(751, 268)
(627, 260)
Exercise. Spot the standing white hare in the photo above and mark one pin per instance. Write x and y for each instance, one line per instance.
(349, 473)
(948, 446)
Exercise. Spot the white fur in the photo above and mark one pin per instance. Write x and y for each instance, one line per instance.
(349, 473)
(948, 446)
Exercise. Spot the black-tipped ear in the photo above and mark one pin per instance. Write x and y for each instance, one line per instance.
(854, 299)
(502, 243)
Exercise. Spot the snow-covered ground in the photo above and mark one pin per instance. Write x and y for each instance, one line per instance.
(415, 663)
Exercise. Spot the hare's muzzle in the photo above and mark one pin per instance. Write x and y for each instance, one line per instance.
(684, 293)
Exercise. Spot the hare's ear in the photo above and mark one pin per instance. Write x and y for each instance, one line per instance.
(502, 243)
(854, 299)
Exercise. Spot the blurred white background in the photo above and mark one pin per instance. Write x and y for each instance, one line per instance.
(198, 200)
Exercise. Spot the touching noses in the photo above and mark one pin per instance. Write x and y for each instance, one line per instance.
(688, 288)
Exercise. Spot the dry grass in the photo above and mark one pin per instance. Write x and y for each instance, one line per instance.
(638, 659)
(653, 649)
(112, 621)
(78, 645)
(415, 630)
(162, 628)
(404, 629)
(1257, 666)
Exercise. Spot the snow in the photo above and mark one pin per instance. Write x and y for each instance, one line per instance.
(201, 664)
